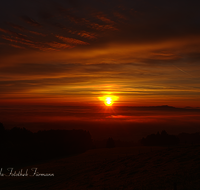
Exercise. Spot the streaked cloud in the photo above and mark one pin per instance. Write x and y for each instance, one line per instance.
(72, 40)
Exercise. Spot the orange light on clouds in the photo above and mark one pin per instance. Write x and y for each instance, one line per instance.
(108, 100)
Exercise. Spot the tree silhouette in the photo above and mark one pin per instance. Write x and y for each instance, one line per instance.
(22, 146)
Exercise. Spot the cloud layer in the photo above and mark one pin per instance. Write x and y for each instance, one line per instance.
(144, 52)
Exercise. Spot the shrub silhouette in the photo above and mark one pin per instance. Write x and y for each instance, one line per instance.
(163, 139)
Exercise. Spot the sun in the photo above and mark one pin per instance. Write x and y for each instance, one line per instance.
(108, 100)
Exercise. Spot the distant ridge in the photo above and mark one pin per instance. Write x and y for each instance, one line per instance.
(153, 107)
(165, 107)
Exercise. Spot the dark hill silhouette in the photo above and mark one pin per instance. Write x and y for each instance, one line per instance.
(21, 146)
(64, 141)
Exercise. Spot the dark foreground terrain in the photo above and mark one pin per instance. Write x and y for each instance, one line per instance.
(142, 168)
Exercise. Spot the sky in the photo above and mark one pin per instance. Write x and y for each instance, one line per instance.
(68, 52)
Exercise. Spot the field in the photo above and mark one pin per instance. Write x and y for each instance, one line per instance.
(138, 168)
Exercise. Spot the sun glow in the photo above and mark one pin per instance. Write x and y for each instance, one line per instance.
(108, 100)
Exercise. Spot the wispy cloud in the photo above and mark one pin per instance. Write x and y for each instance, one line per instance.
(71, 40)
(59, 45)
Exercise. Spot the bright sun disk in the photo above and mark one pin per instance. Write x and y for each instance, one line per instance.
(108, 100)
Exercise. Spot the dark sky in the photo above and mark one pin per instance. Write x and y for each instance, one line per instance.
(144, 52)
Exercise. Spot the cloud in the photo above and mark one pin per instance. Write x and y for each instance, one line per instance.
(119, 15)
(103, 18)
(101, 27)
(26, 43)
(17, 46)
(71, 40)
(18, 35)
(59, 45)
(30, 21)
(21, 28)
(86, 34)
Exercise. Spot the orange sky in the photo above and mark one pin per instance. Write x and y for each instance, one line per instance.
(71, 53)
